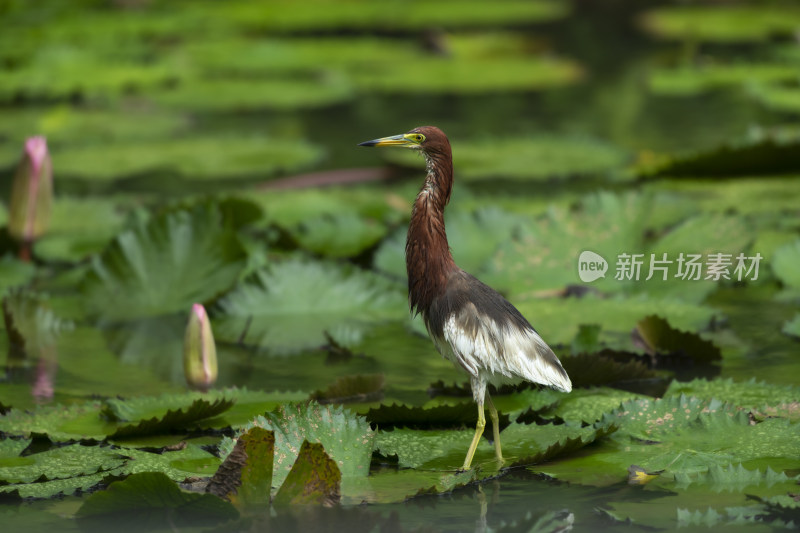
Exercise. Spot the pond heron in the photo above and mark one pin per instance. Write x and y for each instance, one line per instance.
(471, 324)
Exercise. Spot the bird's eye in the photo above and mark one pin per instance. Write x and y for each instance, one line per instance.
(419, 137)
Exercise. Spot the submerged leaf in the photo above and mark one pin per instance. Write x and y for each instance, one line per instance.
(147, 500)
(313, 479)
(292, 304)
(168, 264)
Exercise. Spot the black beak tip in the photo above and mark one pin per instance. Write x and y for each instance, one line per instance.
(367, 143)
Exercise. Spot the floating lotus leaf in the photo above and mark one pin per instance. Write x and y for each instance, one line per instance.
(191, 461)
(689, 81)
(732, 478)
(590, 405)
(59, 72)
(64, 125)
(83, 420)
(550, 441)
(14, 272)
(347, 438)
(291, 305)
(473, 237)
(60, 463)
(164, 414)
(12, 447)
(232, 95)
(431, 449)
(742, 23)
(533, 158)
(344, 235)
(685, 435)
(166, 265)
(744, 195)
(618, 316)
(778, 97)
(145, 501)
(607, 224)
(785, 263)
(792, 327)
(79, 228)
(747, 394)
(394, 14)
(761, 157)
(56, 487)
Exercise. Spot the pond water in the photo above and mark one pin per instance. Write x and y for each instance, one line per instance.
(614, 106)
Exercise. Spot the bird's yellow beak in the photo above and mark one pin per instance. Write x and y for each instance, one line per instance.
(404, 139)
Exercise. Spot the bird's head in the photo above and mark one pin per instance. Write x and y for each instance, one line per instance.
(428, 139)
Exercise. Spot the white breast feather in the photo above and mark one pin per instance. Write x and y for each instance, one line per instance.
(522, 354)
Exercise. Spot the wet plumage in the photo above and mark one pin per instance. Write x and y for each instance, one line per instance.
(470, 323)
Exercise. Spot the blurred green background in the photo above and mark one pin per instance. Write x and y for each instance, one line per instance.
(206, 152)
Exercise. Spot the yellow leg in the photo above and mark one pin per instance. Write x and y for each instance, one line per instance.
(495, 428)
(478, 432)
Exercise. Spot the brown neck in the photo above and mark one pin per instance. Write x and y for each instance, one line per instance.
(428, 259)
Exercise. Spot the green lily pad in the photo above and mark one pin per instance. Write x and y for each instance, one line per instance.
(762, 157)
(590, 405)
(79, 228)
(732, 478)
(347, 438)
(742, 23)
(392, 15)
(777, 97)
(12, 447)
(618, 316)
(688, 81)
(534, 158)
(792, 327)
(344, 235)
(232, 95)
(14, 272)
(291, 305)
(48, 489)
(784, 264)
(82, 420)
(146, 501)
(746, 394)
(163, 414)
(660, 338)
(195, 158)
(192, 461)
(687, 435)
(173, 261)
(607, 225)
(62, 71)
(60, 463)
(66, 125)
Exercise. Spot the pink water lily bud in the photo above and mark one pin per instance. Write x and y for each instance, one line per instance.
(31, 194)
(199, 351)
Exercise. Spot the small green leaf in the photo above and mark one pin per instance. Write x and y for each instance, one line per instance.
(784, 264)
(313, 479)
(747, 394)
(792, 327)
(460, 415)
(163, 414)
(60, 463)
